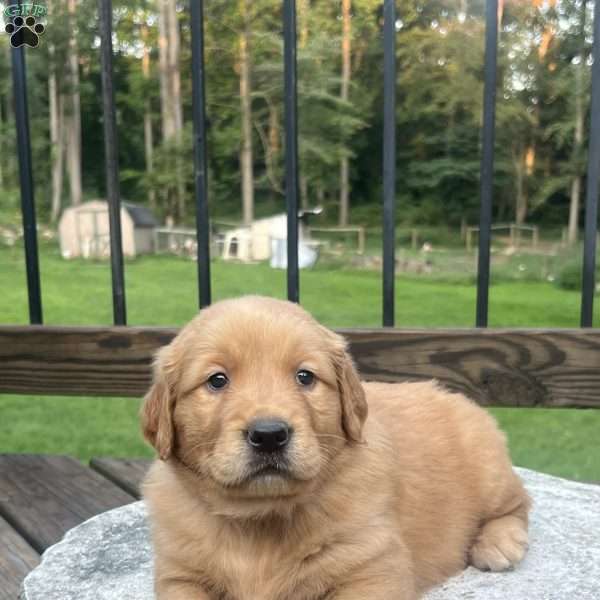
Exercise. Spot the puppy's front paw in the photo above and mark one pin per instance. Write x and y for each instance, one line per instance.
(501, 545)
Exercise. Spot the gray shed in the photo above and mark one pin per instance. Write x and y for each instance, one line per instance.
(84, 230)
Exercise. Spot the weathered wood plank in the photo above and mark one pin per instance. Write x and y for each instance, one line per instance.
(556, 368)
(17, 558)
(43, 497)
(111, 361)
(551, 368)
(127, 473)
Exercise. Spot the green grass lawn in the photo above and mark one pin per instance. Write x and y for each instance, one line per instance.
(163, 291)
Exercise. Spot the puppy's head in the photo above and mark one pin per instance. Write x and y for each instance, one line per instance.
(256, 397)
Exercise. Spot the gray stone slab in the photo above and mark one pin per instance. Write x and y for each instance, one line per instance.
(109, 557)
(563, 562)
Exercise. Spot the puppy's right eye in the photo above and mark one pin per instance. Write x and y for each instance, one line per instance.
(305, 378)
(217, 381)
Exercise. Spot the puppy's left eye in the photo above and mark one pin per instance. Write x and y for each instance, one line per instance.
(217, 381)
(305, 378)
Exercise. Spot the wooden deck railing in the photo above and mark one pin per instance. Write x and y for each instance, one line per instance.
(551, 368)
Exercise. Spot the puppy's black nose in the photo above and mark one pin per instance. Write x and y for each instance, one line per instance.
(268, 435)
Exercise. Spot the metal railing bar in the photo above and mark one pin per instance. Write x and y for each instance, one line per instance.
(112, 166)
(26, 183)
(487, 162)
(200, 169)
(291, 146)
(389, 161)
(591, 197)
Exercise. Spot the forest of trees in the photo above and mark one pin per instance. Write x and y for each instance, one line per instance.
(542, 113)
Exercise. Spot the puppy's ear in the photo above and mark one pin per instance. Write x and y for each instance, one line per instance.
(157, 409)
(352, 394)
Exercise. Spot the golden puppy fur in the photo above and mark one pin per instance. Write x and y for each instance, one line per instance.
(377, 508)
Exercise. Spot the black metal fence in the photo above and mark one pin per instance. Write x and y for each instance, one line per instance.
(291, 165)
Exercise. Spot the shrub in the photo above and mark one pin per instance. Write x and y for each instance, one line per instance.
(570, 277)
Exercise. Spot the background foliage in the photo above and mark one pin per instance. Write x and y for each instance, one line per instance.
(544, 57)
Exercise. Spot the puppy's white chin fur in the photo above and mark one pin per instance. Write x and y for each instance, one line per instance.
(265, 496)
(269, 497)
(270, 484)
(267, 485)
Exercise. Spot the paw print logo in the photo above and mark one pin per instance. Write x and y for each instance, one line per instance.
(24, 32)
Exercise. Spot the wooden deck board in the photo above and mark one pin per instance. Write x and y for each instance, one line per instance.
(43, 497)
(17, 558)
(126, 473)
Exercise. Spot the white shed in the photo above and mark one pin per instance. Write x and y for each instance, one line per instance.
(84, 230)
(254, 242)
(266, 238)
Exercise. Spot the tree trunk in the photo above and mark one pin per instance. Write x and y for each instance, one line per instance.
(303, 193)
(521, 207)
(573, 226)
(246, 160)
(166, 99)
(574, 210)
(320, 195)
(170, 95)
(166, 102)
(8, 107)
(56, 138)
(303, 12)
(271, 145)
(7, 158)
(175, 81)
(149, 152)
(346, 57)
(148, 138)
(73, 120)
(500, 15)
(174, 70)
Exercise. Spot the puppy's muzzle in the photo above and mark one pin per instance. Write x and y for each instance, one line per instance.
(268, 435)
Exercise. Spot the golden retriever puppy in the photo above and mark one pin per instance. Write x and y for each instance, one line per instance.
(273, 484)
